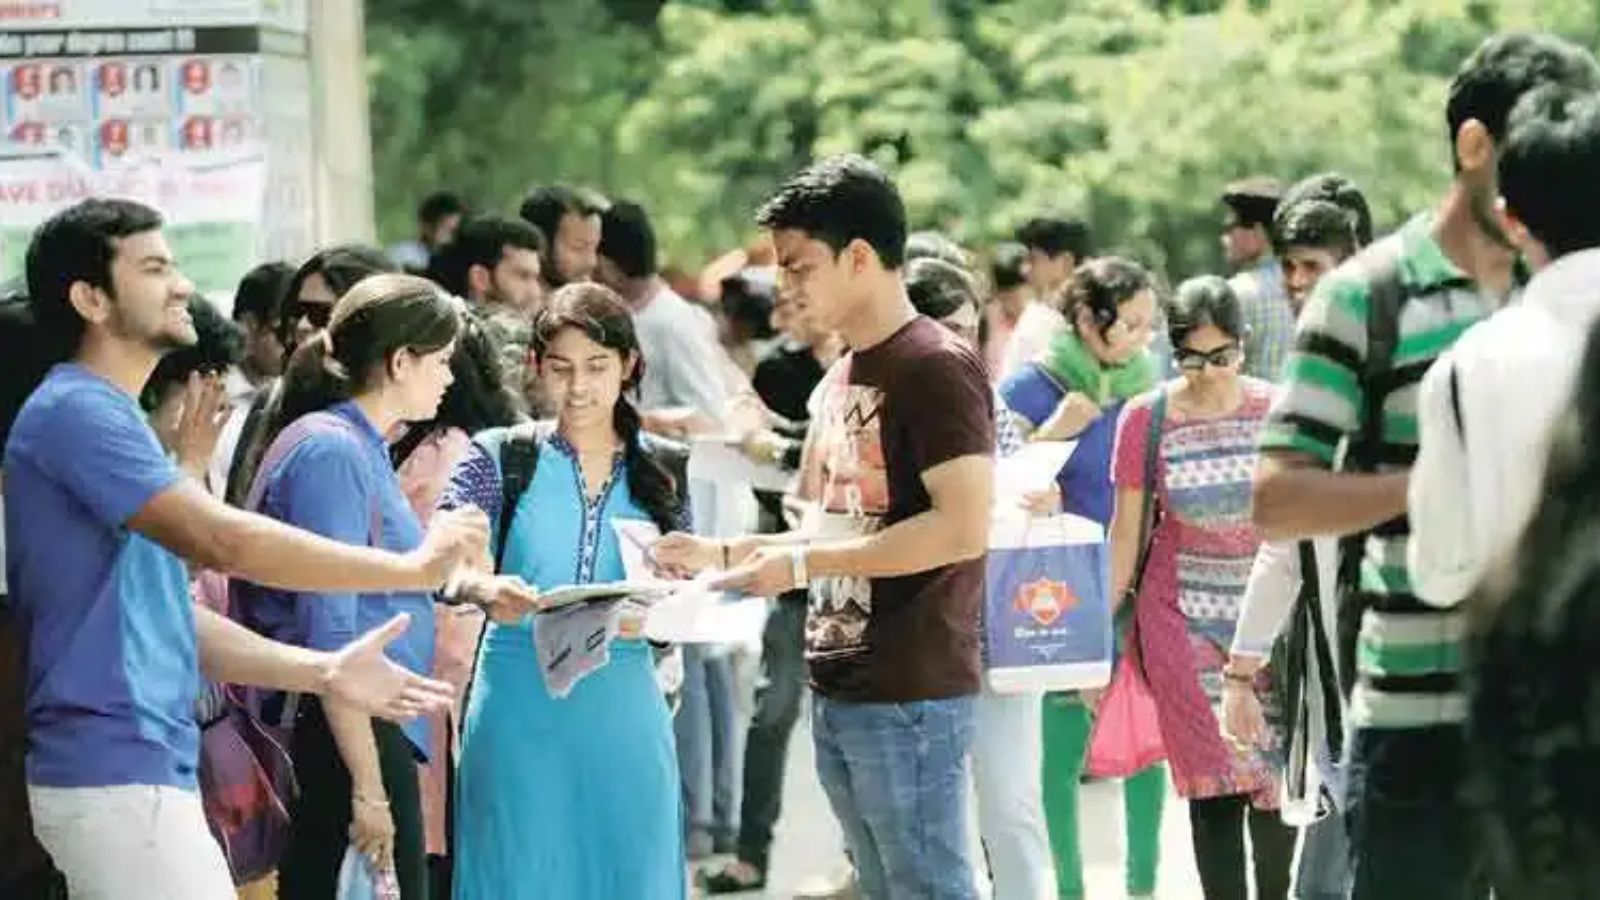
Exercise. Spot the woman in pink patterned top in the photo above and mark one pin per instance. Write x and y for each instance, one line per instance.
(1202, 547)
(424, 458)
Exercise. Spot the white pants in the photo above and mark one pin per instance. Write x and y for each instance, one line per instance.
(1007, 756)
(131, 842)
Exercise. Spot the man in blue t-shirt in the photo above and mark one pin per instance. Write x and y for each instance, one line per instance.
(99, 522)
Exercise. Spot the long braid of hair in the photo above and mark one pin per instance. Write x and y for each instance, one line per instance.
(651, 485)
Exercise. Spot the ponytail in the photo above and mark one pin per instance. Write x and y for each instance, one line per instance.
(382, 315)
(649, 482)
(312, 381)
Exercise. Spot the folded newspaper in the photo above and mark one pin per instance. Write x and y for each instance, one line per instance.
(575, 629)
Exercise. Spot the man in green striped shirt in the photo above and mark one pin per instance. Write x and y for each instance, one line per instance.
(1410, 834)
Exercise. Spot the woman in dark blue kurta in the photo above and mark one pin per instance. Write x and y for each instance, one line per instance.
(573, 796)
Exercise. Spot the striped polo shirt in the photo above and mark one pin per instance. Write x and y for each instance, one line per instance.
(1408, 658)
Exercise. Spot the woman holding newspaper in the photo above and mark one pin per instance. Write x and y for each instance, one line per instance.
(568, 782)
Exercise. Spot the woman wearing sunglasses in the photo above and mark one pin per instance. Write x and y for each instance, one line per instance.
(1202, 545)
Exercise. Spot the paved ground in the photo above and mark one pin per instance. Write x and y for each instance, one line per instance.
(808, 840)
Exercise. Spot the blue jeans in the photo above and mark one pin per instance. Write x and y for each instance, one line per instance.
(707, 735)
(1411, 832)
(896, 777)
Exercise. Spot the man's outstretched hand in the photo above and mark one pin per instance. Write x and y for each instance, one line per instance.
(360, 675)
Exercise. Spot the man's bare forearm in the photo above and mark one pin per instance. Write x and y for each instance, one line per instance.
(918, 544)
(276, 555)
(231, 653)
(1299, 502)
(195, 525)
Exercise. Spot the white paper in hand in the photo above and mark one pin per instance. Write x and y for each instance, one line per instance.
(1030, 469)
(722, 460)
(695, 614)
(635, 537)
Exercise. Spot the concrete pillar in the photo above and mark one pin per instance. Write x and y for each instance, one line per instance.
(339, 107)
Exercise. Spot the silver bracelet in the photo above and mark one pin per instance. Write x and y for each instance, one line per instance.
(798, 568)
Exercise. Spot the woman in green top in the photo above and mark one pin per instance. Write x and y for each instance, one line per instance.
(1075, 391)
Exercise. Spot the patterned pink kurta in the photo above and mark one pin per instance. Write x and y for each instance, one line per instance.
(1203, 547)
(423, 478)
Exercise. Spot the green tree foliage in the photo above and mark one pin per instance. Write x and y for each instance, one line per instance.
(1131, 113)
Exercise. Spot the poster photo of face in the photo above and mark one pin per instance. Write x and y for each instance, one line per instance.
(129, 88)
(112, 141)
(216, 85)
(27, 134)
(198, 134)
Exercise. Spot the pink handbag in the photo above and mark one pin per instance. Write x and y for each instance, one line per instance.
(1126, 737)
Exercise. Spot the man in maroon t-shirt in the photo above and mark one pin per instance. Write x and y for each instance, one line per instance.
(898, 465)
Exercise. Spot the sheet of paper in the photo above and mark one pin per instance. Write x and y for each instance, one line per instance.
(634, 539)
(721, 460)
(695, 614)
(1030, 469)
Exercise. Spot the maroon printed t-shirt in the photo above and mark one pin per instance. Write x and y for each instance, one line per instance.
(880, 419)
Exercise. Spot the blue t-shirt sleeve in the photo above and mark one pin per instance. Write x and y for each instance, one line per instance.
(94, 442)
(325, 487)
(1031, 394)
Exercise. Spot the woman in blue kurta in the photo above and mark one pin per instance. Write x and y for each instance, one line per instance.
(573, 796)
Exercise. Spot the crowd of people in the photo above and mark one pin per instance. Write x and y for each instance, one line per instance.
(1346, 498)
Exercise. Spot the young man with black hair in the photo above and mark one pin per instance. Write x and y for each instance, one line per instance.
(1495, 412)
(684, 363)
(893, 554)
(1009, 297)
(438, 216)
(100, 523)
(494, 264)
(1321, 222)
(257, 307)
(1258, 281)
(1055, 247)
(1416, 292)
(1487, 407)
(569, 219)
(684, 370)
(1312, 238)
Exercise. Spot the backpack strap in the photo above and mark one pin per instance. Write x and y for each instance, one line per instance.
(1379, 266)
(1386, 294)
(519, 461)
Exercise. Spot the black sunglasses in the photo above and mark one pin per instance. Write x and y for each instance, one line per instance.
(1195, 360)
(316, 314)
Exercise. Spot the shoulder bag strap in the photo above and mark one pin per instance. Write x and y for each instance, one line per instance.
(1149, 510)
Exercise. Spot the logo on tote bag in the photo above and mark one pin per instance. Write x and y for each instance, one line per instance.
(1045, 600)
